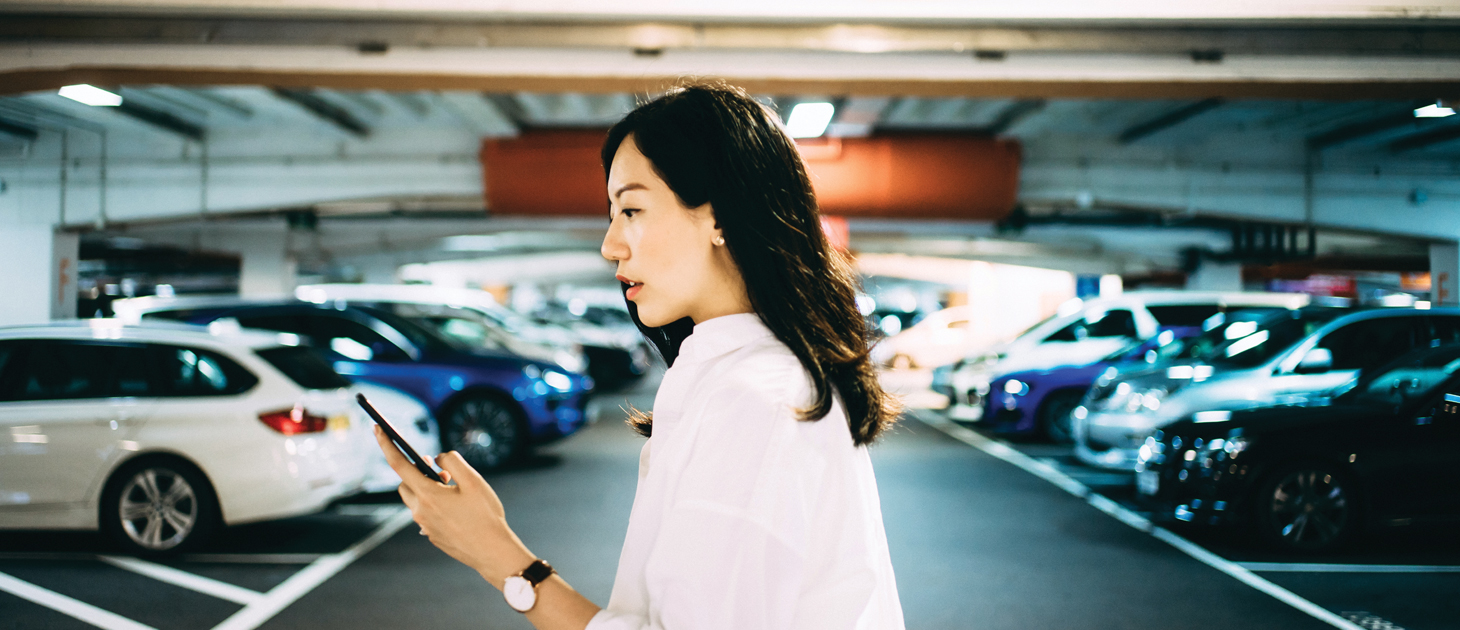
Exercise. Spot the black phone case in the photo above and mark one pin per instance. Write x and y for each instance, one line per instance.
(400, 442)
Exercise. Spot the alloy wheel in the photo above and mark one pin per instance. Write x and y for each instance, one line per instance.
(158, 509)
(1309, 509)
(485, 432)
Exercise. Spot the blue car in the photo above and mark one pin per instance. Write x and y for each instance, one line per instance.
(1040, 402)
(492, 407)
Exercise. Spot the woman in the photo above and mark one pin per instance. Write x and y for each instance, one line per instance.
(756, 505)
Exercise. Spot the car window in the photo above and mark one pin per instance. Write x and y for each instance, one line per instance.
(1240, 344)
(65, 370)
(1415, 375)
(305, 366)
(1115, 323)
(1112, 323)
(349, 338)
(195, 372)
(1183, 314)
(282, 323)
(1371, 343)
(1446, 330)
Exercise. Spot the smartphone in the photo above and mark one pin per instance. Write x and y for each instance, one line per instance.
(415, 458)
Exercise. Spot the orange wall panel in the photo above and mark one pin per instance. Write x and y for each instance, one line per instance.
(896, 176)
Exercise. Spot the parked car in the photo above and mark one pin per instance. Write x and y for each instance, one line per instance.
(618, 354)
(937, 339)
(1289, 356)
(1041, 401)
(613, 357)
(1309, 478)
(158, 436)
(492, 407)
(1093, 330)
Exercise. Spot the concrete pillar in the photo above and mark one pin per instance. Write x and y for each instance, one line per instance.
(1444, 274)
(267, 269)
(1215, 276)
(37, 275)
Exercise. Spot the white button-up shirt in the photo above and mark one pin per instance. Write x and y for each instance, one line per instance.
(746, 518)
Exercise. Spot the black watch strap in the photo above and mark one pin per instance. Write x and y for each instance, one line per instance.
(537, 572)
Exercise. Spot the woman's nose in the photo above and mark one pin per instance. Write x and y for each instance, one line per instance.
(614, 248)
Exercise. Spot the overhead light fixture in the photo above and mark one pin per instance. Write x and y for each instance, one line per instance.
(91, 95)
(809, 120)
(1437, 110)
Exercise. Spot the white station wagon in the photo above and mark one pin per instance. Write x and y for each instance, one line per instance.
(159, 435)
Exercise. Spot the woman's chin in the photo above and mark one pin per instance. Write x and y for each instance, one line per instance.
(654, 319)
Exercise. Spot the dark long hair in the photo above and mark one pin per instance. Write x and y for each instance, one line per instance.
(713, 143)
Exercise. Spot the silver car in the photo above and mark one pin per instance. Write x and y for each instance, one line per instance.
(1290, 356)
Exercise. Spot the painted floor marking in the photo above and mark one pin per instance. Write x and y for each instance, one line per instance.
(190, 581)
(300, 584)
(1319, 567)
(251, 558)
(67, 606)
(1052, 474)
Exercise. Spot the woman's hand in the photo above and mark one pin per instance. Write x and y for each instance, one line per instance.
(466, 520)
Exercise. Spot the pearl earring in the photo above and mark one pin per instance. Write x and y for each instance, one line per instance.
(719, 240)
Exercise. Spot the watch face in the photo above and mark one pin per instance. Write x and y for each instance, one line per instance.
(520, 594)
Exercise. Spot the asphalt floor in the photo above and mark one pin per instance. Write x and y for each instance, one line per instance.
(976, 543)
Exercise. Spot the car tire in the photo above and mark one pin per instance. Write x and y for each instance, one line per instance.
(487, 431)
(1307, 508)
(1055, 422)
(156, 506)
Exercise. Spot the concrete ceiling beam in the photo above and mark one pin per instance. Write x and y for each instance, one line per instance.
(377, 35)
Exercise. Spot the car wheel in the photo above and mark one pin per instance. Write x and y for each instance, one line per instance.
(1309, 507)
(159, 506)
(487, 432)
(1055, 421)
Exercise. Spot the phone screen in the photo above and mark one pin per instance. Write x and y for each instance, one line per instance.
(415, 458)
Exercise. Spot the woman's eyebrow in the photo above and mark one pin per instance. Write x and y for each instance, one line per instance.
(627, 187)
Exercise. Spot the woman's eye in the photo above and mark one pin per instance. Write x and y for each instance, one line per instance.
(629, 212)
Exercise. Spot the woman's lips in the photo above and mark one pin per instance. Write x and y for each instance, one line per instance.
(631, 288)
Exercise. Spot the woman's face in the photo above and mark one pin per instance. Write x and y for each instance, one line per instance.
(664, 250)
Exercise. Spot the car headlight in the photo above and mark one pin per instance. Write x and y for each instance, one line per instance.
(1145, 401)
(557, 380)
(1016, 387)
(570, 361)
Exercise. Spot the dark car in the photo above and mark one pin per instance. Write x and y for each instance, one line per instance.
(1041, 401)
(492, 407)
(1309, 477)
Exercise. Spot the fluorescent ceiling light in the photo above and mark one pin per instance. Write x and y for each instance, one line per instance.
(1434, 111)
(809, 120)
(91, 95)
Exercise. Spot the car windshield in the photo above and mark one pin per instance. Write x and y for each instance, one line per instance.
(1416, 375)
(1245, 339)
(467, 326)
(422, 337)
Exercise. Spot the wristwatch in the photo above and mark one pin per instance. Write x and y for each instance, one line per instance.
(520, 590)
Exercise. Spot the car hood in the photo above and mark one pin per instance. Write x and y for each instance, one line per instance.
(1317, 411)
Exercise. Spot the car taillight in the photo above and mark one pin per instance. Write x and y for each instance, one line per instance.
(294, 421)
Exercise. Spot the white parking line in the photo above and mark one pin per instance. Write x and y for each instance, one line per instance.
(301, 583)
(1318, 567)
(251, 558)
(67, 606)
(190, 581)
(1053, 475)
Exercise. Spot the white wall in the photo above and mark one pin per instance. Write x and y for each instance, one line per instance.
(37, 275)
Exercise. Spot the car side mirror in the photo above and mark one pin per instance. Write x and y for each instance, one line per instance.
(1316, 361)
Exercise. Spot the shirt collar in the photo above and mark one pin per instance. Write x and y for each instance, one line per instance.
(714, 337)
